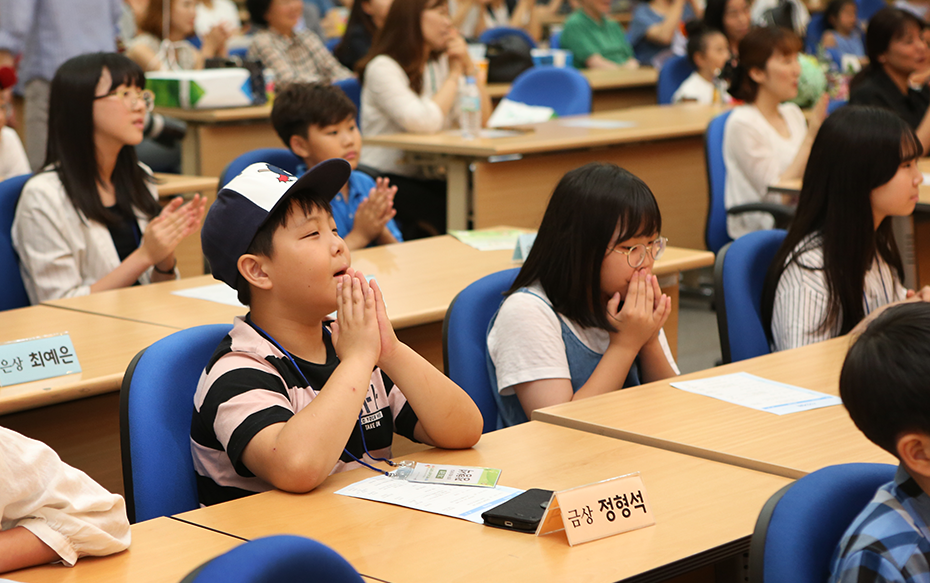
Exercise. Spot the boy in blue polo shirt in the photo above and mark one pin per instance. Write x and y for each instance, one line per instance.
(317, 122)
(884, 388)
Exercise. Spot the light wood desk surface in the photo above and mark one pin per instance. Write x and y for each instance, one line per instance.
(788, 445)
(610, 88)
(175, 184)
(704, 511)
(104, 346)
(508, 181)
(223, 115)
(162, 550)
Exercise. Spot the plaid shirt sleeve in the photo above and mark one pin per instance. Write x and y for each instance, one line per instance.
(303, 58)
(868, 566)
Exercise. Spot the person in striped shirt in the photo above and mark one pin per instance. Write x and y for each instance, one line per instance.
(839, 261)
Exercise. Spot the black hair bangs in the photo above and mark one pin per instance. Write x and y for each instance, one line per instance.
(123, 71)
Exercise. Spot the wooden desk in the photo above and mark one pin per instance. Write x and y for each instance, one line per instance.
(788, 445)
(512, 178)
(188, 252)
(915, 234)
(610, 89)
(162, 550)
(419, 278)
(704, 510)
(216, 136)
(76, 415)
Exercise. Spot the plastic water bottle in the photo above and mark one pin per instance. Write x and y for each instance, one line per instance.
(469, 109)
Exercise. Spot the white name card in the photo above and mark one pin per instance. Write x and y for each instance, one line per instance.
(598, 510)
(33, 359)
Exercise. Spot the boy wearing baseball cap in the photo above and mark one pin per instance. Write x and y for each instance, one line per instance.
(286, 400)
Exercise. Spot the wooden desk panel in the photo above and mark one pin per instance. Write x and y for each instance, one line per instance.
(789, 445)
(162, 550)
(704, 511)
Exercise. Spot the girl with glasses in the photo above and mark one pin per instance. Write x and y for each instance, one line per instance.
(585, 314)
(90, 220)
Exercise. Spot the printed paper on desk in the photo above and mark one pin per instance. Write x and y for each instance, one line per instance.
(464, 503)
(34, 359)
(598, 510)
(758, 393)
(218, 292)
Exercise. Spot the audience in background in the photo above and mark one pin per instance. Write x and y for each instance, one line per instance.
(213, 13)
(656, 29)
(596, 40)
(766, 140)
(410, 83)
(841, 19)
(473, 17)
(730, 17)
(365, 20)
(708, 53)
(153, 51)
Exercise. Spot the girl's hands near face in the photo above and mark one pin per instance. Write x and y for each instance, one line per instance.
(645, 310)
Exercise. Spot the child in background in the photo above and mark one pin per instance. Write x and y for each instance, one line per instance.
(286, 400)
(50, 511)
(317, 122)
(585, 314)
(13, 161)
(884, 388)
(708, 52)
(842, 29)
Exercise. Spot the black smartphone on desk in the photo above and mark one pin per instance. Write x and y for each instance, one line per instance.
(521, 513)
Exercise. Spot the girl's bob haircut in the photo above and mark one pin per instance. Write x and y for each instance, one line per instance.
(588, 207)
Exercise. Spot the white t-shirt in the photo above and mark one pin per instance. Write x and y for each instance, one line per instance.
(60, 505)
(13, 161)
(756, 156)
(390, 106)
(526, 344)
(801, 296)
(697, 88)
(223, 12)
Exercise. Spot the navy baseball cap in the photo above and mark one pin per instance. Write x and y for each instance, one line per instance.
(246, 202)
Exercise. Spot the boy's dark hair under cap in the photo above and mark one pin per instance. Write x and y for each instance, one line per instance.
(244, 204)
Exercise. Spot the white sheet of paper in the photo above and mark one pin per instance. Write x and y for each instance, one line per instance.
(457, 502)
(485, 240)
(597, 124)
(758, 393)
(218, 292)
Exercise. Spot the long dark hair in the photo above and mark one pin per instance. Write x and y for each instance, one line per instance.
(401, 38)
(713, 14)
(357, 17)
(856, 150)
(586, 208)
(71, 149)
(886, 25)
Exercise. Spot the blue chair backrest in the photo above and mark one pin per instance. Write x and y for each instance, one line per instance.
(332, 43)
(739, 276)
(563, 89)
(280, 157)
(801, 525)
(464, 339)
(156, 404)
(671, 76)
(12, 292)
(554, 40)
(868, 8)
(715, 234)
(815, 29)
(492, 34)
(271, 559)
(353, 89)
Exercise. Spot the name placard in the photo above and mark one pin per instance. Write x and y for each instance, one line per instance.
(33, 359)
(598, 510)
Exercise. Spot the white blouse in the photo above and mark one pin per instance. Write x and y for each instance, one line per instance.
(60, 505)
(756, 156)
(390, 106)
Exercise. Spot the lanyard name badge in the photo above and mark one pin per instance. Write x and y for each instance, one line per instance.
(410, 471)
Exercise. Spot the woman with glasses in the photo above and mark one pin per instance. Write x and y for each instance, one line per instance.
(90, 220)
(585, 314)
(839, 261)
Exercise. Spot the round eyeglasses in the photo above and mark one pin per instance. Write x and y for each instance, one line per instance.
(636, 254)
(131, 97)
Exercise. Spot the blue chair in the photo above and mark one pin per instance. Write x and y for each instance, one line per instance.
(739, 276)
(554, 40)
(156, 403)
(492, 34)
(464, 339)
(332, 43)
(671, 76)
(715, 231)
(563, 89)
(280, 157)
(815, 30)
(868, 8)
(801, 524)
(277, 558)
(835, 104)
(353, 89)
(12, 292)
